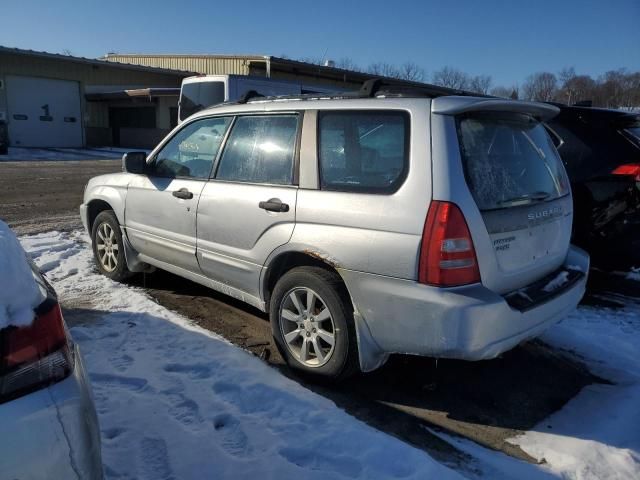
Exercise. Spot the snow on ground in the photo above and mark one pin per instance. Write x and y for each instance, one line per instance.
(97, 153)
(19, 293)
(175, 401)
(597, 434)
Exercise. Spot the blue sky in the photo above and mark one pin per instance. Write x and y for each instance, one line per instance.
(505, 39)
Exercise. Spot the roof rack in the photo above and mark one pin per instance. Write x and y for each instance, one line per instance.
(374, 87)
(380, 87)
(248, 96)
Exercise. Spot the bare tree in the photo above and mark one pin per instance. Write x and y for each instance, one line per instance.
(578, 88)
(574, 88)
(480, 84)
(619, 88)
(451, 77)
(566, 74)
(541, 86)
(501, 91)
(384, 69)
(347, 63)
(412, 71)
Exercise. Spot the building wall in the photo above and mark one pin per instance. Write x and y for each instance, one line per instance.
(245, 65)
(193, 63)
(96, 128)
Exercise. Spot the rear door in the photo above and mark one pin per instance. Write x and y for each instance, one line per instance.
(517, 180)
(160, 214)
(248, 209)
(198, 93)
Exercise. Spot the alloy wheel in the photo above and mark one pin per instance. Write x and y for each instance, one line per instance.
(307, 327)
(107, 247)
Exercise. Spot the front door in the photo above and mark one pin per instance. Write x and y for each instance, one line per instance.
(160, 214)
(248, 209)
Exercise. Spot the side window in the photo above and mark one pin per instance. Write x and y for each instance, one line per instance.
(364, 151)
(191, 151)
(260, 149)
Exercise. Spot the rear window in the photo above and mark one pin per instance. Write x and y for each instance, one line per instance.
(197, 96)
(362, 151)
(509, 160)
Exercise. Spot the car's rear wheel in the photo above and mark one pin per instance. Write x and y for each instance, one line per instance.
(312, 323)
(108, 248)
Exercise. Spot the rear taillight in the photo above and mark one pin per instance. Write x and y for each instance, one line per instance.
(447, 256)
(35, 356)
(630, 169)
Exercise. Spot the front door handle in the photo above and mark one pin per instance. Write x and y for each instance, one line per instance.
(274, 205)
(183, 193)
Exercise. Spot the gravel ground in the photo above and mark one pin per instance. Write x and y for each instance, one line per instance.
(40, 196)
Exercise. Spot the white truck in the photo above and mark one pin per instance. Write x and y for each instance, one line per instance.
(202, 91)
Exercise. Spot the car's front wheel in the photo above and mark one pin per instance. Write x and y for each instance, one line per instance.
(108, 248)
(312, 323)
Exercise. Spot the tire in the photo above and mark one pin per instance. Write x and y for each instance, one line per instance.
(301, 325)
(108, 247)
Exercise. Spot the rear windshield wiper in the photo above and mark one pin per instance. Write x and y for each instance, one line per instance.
(525, 199)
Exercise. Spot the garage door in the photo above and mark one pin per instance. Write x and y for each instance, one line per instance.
(43, 112)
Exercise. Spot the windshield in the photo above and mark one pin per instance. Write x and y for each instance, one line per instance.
(509, 160)
(196, 96)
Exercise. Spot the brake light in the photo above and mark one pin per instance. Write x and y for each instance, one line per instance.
(447, 255)
(35, 356)
(630, 169)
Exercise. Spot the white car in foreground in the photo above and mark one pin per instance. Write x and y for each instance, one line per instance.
(47, 416)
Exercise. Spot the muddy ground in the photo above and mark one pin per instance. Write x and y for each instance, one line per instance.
(487, 402)
(41, 196)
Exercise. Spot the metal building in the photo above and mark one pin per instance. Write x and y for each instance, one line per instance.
(128, 100)
(51, 100)
(258, 65)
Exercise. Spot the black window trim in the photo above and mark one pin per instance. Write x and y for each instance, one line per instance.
(397, 184)
(152, 159)
(296, 154)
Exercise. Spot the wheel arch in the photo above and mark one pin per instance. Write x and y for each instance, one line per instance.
(94, 208)
(105, 199)
(370, 355)
(284, 261)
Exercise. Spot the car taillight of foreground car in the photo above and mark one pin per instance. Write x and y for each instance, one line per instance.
(35, 356)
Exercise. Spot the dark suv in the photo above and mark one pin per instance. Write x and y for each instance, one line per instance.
(601, 152)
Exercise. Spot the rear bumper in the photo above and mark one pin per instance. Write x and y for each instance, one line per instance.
(53, 432)
(469, 323)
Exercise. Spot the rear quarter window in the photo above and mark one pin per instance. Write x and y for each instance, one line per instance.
(509, 160)
(363, 151)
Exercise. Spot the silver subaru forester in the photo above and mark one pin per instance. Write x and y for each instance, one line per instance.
(417, 222)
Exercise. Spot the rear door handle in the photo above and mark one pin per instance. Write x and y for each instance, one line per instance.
(183, 193)
(274, 205)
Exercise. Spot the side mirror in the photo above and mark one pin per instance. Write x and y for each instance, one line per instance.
(134, 162)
